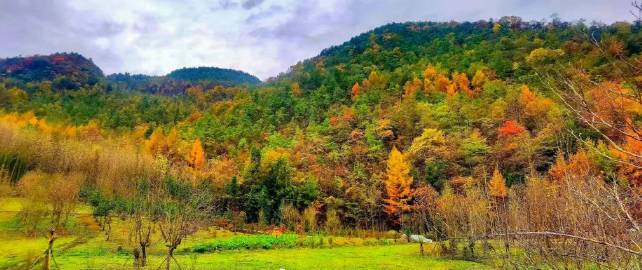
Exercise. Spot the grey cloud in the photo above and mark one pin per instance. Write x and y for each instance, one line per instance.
(147, 24)
(48, 26)
(226, 4)
(250, 4)
(266, 14)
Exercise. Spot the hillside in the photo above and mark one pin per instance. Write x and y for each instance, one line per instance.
(226, 76)
(177, 81)
(462, 46)
(461, 131)
(64, 70)
(72, 71)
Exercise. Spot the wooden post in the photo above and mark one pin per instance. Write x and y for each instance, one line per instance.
(421, 247)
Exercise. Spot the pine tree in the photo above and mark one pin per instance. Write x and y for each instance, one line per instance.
(197, 156)
(498, 187)
(398, 186)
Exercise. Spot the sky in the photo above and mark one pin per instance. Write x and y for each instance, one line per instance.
(261, 37)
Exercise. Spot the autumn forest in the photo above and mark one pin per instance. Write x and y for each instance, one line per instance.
(495, 144)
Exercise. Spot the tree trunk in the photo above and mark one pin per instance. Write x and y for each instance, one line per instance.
(47, 265)
(170, 255)
(52, 238)
(108, 224)
(137, 261)
(143, 257)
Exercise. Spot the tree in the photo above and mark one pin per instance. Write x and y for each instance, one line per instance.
(4, 95)
(180, 208)
(463, 84)
(295, 90)
(498, 187)
(59, 192)
(543, 55)
(398, 187)
(277, 187)
(144, 218)
(478, 80)
(197, 156)
(424, 209)
(175, 225)
(496, 28)
(17, 95)
(509, 128)
(356, 91)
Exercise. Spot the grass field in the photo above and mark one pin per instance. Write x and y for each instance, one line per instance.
(85, 247)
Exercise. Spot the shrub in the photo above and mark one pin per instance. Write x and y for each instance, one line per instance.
(250, 242)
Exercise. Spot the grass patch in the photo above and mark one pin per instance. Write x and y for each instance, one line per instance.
(260, 241)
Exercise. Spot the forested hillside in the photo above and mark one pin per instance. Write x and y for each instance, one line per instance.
(462, 131)
(62, 70)
(177, 81)
(72, 71)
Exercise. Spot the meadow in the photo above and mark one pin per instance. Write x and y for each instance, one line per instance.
(84, 246)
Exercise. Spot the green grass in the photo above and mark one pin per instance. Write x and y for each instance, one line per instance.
(372, 257)
(87, 249)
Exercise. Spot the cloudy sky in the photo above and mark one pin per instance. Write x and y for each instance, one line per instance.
(262, 37)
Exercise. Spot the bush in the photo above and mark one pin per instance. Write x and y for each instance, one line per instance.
(250, 242)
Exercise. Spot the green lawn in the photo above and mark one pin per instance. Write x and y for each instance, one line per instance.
(89, 250)
(404, 256)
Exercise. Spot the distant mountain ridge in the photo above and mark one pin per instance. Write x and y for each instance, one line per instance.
(213, 74)
(72, 71)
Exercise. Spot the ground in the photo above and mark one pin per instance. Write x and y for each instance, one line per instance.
(85, 247)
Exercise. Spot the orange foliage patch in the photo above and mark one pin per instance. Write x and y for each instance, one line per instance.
(510, 128)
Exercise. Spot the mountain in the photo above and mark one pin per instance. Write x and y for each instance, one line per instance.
(179, 80)
(499, 46)
(71, 71)
(64, 70)
(214, 74)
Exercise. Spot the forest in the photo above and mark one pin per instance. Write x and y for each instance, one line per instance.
(505, 144)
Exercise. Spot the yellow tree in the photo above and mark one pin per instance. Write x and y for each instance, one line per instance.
(478, 81)
(296, 90)
(398, 186)
(197, 156)
(498, 187)
(155, 141)
(496, 28)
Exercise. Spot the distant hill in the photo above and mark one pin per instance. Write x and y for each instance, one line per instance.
(178, 80)
(64, 70)
(71, 71)
(214, 74)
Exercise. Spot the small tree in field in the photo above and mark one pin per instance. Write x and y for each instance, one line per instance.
(176, 223)
(144, 219)
(181, 208)
(59, 192)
